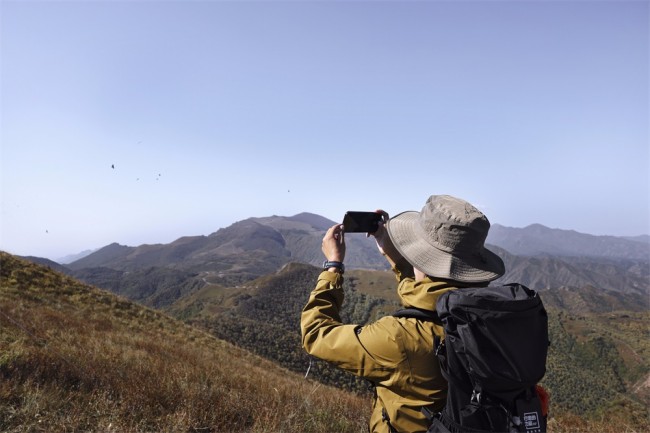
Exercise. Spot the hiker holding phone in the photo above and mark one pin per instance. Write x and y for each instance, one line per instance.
(431, 252)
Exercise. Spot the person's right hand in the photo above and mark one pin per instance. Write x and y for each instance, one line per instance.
(381, 235)
(387, 248)
(384, 243)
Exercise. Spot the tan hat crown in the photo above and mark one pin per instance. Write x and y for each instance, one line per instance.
(453, 224)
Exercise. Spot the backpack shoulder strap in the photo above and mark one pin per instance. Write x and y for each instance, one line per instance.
(418, 313)
(425, 316)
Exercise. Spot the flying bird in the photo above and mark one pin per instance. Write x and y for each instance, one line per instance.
(113, 166)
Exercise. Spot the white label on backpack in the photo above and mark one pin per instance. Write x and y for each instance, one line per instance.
(531, 420)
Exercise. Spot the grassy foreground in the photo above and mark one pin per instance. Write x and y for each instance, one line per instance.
(74, 358)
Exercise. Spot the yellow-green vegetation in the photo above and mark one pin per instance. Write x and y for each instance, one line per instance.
(74, 358)
(380, 284)
(210, 300)
(598, 366)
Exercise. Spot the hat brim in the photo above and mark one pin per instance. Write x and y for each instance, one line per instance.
(410, 240)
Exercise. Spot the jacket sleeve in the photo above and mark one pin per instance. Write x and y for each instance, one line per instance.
(372, 351)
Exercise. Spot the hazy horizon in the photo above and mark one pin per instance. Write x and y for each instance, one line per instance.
(57, 258)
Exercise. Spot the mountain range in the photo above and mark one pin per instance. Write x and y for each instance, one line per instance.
(537, 256)
(536, 239)
(298, 238)
(257, 245)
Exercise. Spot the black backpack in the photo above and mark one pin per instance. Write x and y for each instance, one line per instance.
(493, 354)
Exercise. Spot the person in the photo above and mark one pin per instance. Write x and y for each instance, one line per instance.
(438, 249)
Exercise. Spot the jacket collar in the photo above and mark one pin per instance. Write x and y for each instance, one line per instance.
(424, 294)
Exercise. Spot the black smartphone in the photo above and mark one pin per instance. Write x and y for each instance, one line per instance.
(361, 222)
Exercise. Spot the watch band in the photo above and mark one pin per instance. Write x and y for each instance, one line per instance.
(332, 264)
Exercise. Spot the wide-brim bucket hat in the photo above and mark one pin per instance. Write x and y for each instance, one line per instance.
(446, 240)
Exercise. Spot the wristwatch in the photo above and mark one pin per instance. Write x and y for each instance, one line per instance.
(332, 264)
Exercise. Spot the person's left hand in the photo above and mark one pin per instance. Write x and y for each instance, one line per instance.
(386, 246)
(334, 244)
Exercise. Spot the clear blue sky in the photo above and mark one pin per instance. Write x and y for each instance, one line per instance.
(216, 111)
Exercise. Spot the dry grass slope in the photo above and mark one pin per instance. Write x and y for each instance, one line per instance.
(74, 358)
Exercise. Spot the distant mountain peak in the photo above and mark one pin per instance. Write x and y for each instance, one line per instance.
(74, 257)
(536, 226)
(316, 221)
(537, 239)
(101, 256)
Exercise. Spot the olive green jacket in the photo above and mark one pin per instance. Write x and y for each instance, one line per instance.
(395, 354)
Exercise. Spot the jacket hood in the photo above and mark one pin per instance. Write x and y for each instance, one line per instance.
(422, 294)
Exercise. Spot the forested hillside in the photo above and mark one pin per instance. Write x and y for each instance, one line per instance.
(599, 365)
(265, 318)
(597, 359)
